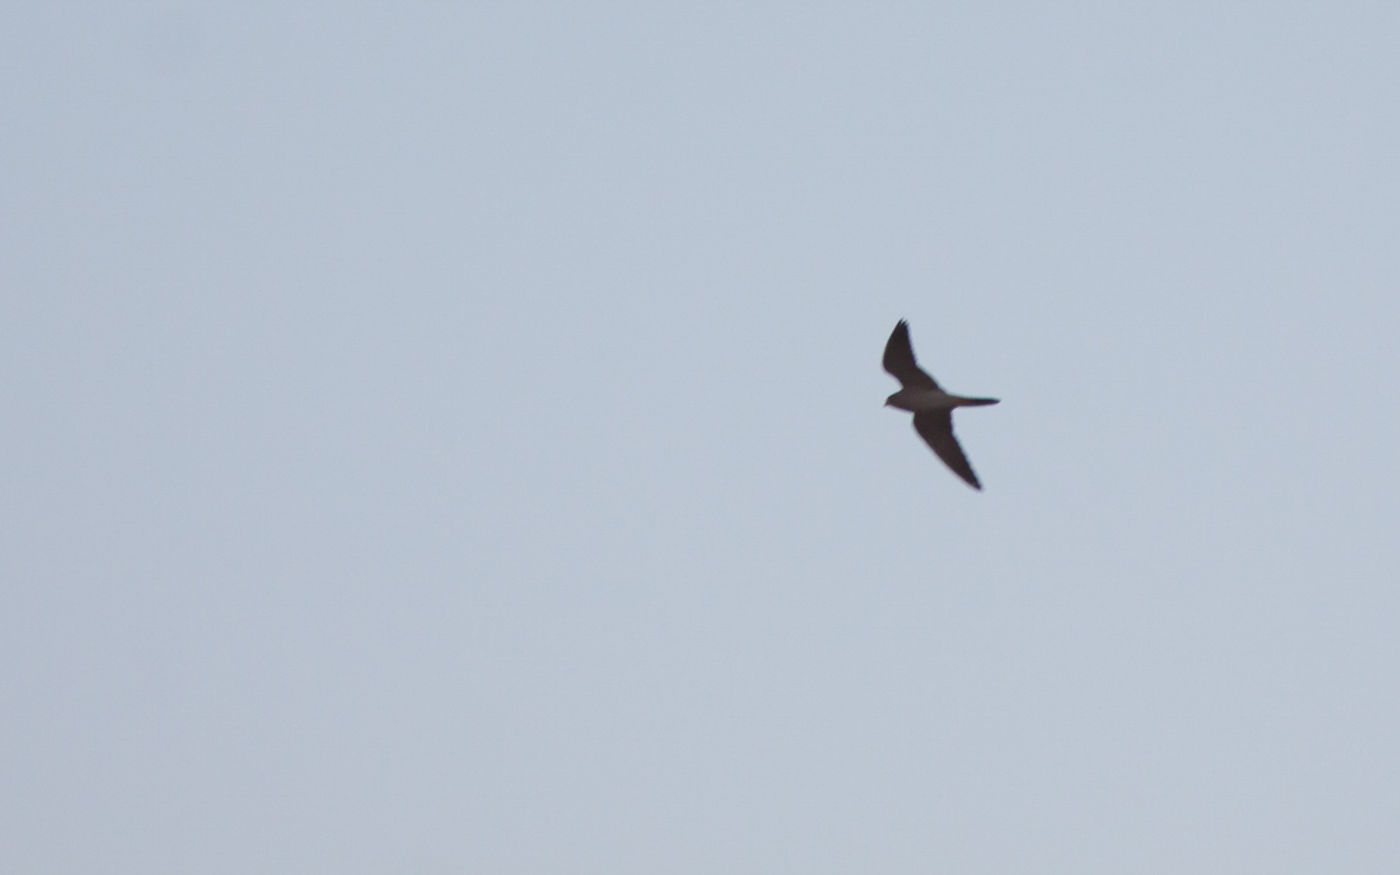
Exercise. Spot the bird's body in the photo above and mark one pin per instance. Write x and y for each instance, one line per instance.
(916, 400)
(932, 407)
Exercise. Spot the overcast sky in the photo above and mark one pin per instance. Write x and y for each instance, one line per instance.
(448, 438)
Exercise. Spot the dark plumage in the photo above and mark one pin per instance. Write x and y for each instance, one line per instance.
(932, 407)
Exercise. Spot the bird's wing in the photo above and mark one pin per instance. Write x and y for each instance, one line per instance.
(899, 360)
(936, 427)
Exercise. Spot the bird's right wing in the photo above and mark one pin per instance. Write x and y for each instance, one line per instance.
(936, 428)
(899, 360)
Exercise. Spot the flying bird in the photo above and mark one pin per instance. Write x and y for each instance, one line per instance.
(931, 406)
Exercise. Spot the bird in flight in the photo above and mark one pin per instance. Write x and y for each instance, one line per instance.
(931, 406)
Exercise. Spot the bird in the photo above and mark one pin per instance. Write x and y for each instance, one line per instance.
(932, 407)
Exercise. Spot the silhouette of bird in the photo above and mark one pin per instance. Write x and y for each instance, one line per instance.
(931, 406)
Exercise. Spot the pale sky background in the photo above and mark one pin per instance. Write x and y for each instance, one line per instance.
(447, 438)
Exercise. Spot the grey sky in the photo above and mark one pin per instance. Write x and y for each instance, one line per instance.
(448, 438)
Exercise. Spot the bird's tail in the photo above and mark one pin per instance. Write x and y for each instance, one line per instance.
(977, 402)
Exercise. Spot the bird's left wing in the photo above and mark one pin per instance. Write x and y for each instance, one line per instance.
(899, 360)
